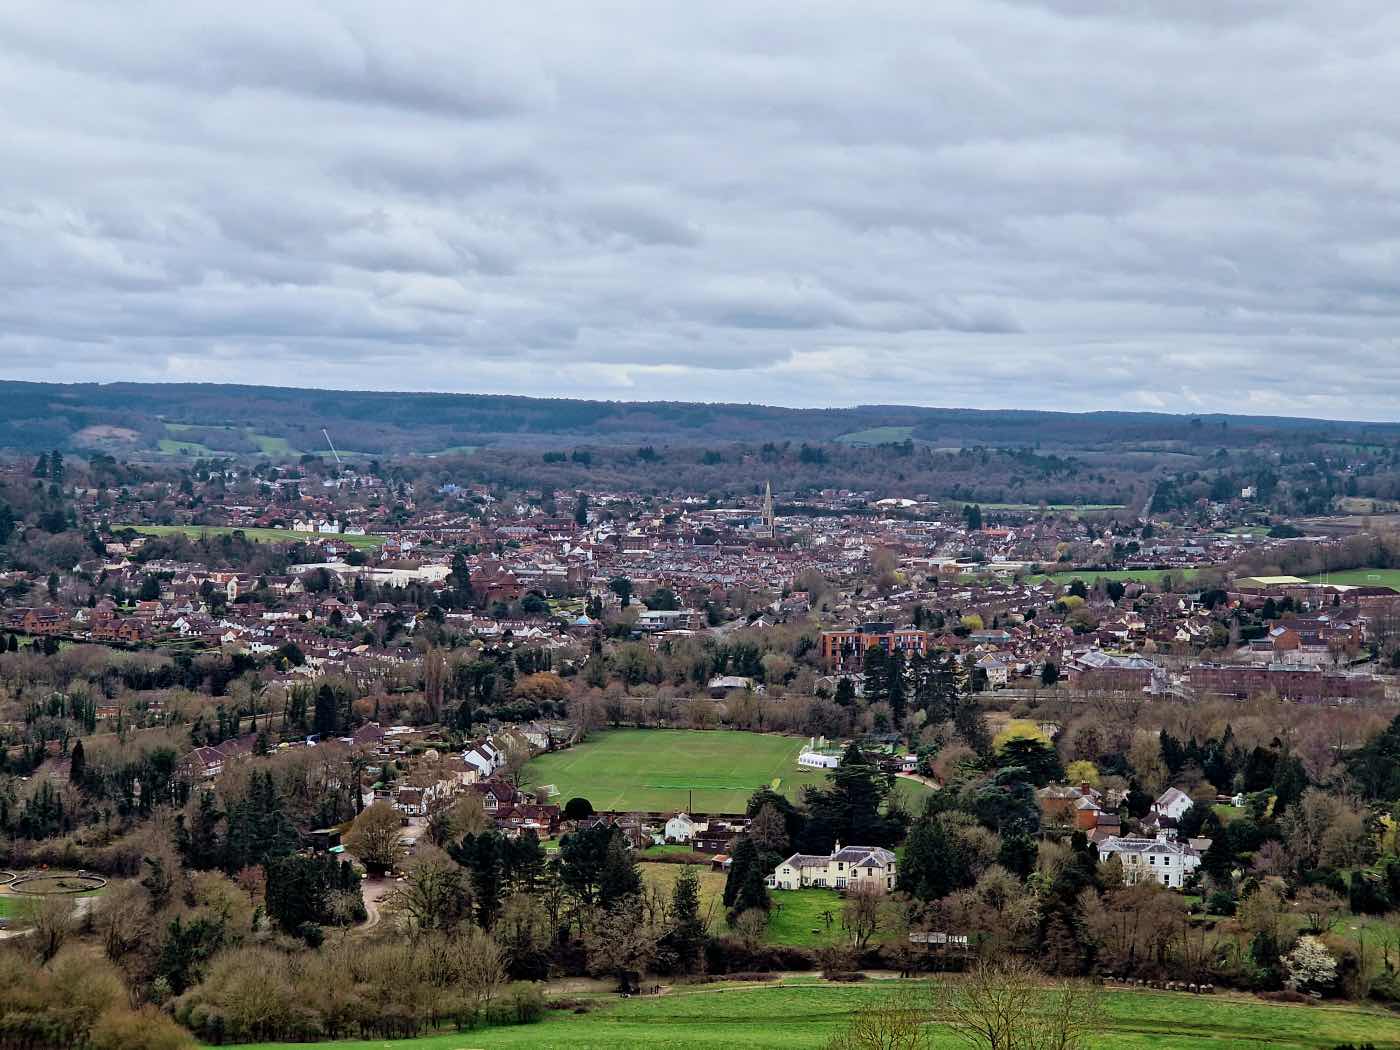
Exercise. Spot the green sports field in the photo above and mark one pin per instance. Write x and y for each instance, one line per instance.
(658, 769)
(256, 535)
(802, 1013)
(1361, 578)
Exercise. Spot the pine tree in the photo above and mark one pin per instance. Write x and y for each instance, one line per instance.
(324, 720)
(753, 891)
(687, 934)
(877, 675)
(619, 878)
(483, 857)
(744, 857)
(896, 693)
(934, 864)
(204, 848)
(77, 765)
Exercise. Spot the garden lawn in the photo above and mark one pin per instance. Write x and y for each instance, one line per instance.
(912, 793)
(798, 918)
(256, 535)
(658, 769)
(803, 1013)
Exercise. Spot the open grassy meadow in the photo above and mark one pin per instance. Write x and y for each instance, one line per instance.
(256, 535)
(876, 436)
(802, 1013)
(658, 769)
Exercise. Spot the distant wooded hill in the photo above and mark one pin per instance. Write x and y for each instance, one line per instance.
(198, 419)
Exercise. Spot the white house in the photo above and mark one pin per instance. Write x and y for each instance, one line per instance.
(1172, 803)
(485, 757)
(850, 867)
(1169, 863)
(996, 670)
(680, 828)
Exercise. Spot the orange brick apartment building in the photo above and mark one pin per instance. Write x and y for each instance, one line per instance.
(845, 650)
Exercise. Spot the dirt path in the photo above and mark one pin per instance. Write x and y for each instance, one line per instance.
(373, 891)
(919, 778)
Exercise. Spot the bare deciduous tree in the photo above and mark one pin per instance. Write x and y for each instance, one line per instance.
(861, 915)
(751, 925)
(374, 837)
(1319, 906)
(434, 895)
(887, 1026)
(1010, 1006)
(51, 918)
(482, 967)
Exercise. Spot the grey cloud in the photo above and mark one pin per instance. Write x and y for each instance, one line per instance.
(982, 202)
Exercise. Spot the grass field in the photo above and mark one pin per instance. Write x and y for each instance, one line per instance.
(798, 916)
(267, 444)
(273, 446)
(256, 535)
(15, 906)
(912, 794)
(185, 448)
(1361, 578)
(802, 1013)
(658, 769)
(876, 436)
(1122, 575)
(455, 450)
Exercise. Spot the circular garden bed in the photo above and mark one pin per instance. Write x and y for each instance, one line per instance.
(48, 884)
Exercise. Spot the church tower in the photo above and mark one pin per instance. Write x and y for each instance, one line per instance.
(768, 526)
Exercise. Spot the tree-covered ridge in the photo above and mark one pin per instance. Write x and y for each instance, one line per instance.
(42, 415)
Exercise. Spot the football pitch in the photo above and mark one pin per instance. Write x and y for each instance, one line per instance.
(664, 769)
(660, 769)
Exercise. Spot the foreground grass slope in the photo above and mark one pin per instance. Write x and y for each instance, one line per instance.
(803, 1013)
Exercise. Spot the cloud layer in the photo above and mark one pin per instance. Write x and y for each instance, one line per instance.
(1045, 203)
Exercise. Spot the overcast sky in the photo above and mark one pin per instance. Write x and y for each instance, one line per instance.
(1188, 205)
